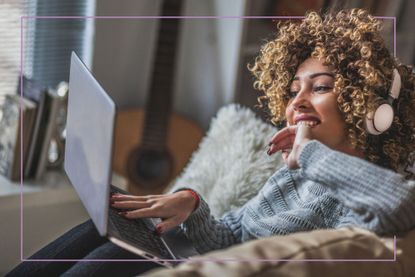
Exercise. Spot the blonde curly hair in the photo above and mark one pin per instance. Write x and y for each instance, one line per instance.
(351, 42)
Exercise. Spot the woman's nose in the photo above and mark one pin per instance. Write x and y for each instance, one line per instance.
(301, 100)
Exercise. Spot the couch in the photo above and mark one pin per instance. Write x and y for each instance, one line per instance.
(229, 168)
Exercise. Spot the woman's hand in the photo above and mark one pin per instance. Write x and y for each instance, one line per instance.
(173, 209)
(291, 141)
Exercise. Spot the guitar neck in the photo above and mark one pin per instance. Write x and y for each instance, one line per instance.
(160, 100)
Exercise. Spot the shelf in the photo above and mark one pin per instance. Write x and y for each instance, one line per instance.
(55, 179)
(50, 180)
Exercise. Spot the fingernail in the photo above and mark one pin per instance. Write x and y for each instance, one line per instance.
(270, 143)
(122, 213)
(158, 229)
(269, 152)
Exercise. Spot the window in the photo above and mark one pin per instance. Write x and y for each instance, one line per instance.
(10, 12)
(49, 42)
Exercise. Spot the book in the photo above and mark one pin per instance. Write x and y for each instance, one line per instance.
(39, 96)
(12, 110)
(9, 123)
(52, 108)
(47, 110)
(27, 118)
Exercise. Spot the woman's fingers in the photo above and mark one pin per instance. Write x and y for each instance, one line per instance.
(303, 132)
(131, 204)
(172, 208)
(289, 137)
(144, 212)
(284, 143)
(285, 154)
(167, 224)
(284, 133)
(126, 197)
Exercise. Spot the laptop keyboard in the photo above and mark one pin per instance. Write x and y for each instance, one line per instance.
(140, 233)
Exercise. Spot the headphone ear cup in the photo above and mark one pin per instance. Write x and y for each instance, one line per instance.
(380, 120)
(369, 124)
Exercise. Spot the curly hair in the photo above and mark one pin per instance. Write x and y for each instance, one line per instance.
(351, 42)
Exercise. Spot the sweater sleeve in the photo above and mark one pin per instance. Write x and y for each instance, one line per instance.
(381, 200)
(208, 233)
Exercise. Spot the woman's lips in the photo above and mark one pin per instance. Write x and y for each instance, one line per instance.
(305, 117)
(309, 123)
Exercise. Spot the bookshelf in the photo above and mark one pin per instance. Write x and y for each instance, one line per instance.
(50, 180)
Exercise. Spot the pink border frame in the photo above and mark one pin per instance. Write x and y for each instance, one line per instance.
(22, 18)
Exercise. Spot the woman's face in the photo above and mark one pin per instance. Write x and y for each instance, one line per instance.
(312, 99)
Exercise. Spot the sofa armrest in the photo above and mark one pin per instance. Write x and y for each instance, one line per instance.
(342, 244)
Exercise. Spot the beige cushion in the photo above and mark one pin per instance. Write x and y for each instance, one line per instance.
(345, 243)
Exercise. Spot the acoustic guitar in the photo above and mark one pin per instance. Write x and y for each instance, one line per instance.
(152, 145)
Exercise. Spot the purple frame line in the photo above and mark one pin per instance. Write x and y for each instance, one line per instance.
(163, 17)
(210, 260)
(22, 18)
(220, 260)
(21, 139)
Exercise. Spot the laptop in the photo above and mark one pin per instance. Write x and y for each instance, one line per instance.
(88, 155)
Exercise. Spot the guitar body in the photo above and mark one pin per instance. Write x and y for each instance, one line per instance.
(182, 139)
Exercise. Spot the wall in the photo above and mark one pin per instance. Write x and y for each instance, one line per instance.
(207, 58)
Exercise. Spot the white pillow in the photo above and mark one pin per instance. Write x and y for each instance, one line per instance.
(231, 164)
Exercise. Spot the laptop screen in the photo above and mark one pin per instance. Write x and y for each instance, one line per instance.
(89, 139)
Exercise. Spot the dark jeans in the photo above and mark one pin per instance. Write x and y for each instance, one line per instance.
(82, 242)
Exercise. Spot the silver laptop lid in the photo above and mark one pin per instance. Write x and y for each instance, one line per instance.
(89, 139)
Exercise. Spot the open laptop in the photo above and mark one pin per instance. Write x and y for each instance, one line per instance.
(88, 154)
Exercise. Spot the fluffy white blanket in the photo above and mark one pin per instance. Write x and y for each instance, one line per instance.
(231, 164)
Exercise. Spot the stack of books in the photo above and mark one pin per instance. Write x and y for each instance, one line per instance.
(27, 125)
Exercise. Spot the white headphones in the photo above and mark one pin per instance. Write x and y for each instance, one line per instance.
(381, 119)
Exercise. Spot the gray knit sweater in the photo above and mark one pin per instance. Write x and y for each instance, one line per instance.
(330, 190)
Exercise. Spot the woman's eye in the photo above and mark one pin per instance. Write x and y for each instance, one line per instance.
(322, 88)
(292, 94)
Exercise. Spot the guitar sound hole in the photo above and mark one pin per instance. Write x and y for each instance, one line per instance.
(151, 164)
(149, 167)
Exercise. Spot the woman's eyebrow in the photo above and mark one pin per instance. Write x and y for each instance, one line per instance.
(314, 75)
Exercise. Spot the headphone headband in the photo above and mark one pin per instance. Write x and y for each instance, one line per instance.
(396, 84)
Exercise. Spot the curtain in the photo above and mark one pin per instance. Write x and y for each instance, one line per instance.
(10, 13)
(49, 42)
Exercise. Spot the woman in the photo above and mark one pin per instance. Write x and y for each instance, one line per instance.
(323, 78)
